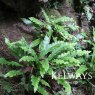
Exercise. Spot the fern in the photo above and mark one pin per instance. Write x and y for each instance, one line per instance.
(66, 85)
(45, 43)
(35, 82)
(3, 61)
(46, 16)
(45, 65)
(35, 43)
(59, 61)
(55, 49)
(36, 21)
(81, 70)
(42, 91)
(50, 48)
(43, 82)
(13, 73)
(27, 59)
(61, 49)
(64, 19)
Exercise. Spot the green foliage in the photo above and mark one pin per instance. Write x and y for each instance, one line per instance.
(91, 42)
(6, 86)
(35, 82)
(61, 26)
(81, 70)
(13, 73)
(3, 61)
(56, 49)
(66, 85)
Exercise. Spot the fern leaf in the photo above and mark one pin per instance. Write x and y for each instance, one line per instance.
(13, 73)
(23, 42)
(81, 70)
(45, 43)
(70, 61)
(46, 16)
(62, 55)
(60, 49)
(35, 82)
(36, 21)
(82, 52)
(44, 83)
(3, 61)
(35, 43)
(59, 61)
(27, 59)
(56, 53)
(64, 19)
(55, 45)
(45, 64)
(26, 21)
(42, 91)
(29, 51)
(50, 48)
(66, 85)
(7, 41)
(42, 71)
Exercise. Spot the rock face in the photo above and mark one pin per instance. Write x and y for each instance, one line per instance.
(23, 7)
(9, 29)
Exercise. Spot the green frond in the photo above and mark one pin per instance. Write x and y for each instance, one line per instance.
(36, 21)
(27, 59)
(59, 61)
(45, 43)
(35, 82)
(3, 61)
(66, 85)
(81, 70)
(46, 16)
(50, 48)
(45, 64)
(13, 73)
(64, 19)
(35, 43)
(42, 91)
(43, 82)
(61, 49)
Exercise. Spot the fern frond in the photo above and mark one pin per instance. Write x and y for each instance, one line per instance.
(27, 59)
(35, 82)
(44, 83)
(81, 70)
(42, 71)
(13, 73)
(42, 91)
(64, 19)
(45, 64)
(81, 52)
(61, 49)
(46, 16)
(35, 43)
(62, 55)
(36, 21)
(72, 61)
(50, 48)
(56, 52)
(45, 43)
(59, 61)
(29, 51)
(3, 61)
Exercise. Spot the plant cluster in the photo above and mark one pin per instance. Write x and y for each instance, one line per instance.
(55, 49)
